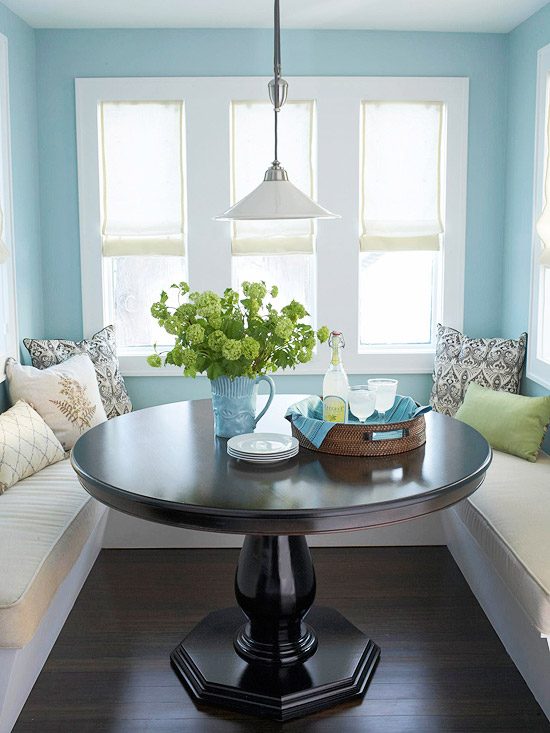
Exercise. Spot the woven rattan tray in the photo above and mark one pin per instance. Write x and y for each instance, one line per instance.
(359, 440)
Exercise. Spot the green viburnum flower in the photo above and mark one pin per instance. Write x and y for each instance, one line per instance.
(274, 291)
(195, 334)
(208, 304)
(154, 360)
(250, 348)
(295, 311)
(256, 291)
(284, 328)
(216, 340)
(231, 349)
(186, 311)
(188, 357)
(171, 325)
(310, 341)
(215, 322)
(159, 310)
(304, 356)
(323, 334)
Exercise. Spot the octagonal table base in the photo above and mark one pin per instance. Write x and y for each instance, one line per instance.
(263, 658)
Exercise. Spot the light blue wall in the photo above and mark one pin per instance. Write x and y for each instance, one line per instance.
(64, 55)
(22, 80)
(524, 43)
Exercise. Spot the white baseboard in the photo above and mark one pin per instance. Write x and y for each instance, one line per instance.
(19, 668)
(528, 648)
(124, 531)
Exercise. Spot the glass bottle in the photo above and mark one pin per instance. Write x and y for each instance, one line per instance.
(335, 383)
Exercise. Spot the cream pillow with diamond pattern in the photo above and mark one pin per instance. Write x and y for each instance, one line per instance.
(27, 445)
(65, 395)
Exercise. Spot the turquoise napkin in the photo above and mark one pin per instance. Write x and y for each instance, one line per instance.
(307, 417)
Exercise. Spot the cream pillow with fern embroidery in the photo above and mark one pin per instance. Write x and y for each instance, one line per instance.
(65, 395)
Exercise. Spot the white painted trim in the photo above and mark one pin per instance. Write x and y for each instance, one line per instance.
(19, 668)
(522, 640)
(394, 362)
(7, 271)
(338, 102)
(537, 369)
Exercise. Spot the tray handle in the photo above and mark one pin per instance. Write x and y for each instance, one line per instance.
(385, 435)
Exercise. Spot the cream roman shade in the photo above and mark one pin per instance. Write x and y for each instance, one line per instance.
(4, 251)
(251, 143)
(543, 223)
(143, 172)
(401, 176)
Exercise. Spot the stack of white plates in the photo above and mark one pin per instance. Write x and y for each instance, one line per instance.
(262, 447)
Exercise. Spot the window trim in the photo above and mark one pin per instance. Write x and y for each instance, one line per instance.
(537, 369)
(338, 103)
(7, 275)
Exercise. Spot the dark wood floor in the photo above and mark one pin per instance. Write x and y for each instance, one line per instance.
(442, 666)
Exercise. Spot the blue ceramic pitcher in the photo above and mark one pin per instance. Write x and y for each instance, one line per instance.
(234, 404)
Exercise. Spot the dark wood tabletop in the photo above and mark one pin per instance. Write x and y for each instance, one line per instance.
(164, 464)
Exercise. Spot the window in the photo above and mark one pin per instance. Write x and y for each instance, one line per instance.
(279, 252)
(538, 347)
(400, 191)
(401, 223)
(408, 316)
(142, 182)
(8, 314)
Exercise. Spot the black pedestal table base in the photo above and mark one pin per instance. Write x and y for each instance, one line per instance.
(263, 658)
(272, 655)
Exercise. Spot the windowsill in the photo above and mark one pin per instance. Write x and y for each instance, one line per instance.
(539, 373)
(403, 361)
(402, 350)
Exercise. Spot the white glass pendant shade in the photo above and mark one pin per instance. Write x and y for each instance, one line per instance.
(276, 198)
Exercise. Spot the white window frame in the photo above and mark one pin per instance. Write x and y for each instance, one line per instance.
(7, 270)
(537, 369)
(338, 104)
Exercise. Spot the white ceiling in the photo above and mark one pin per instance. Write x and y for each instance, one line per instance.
(498, 16)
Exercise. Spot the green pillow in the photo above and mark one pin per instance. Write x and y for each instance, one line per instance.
(509, 422)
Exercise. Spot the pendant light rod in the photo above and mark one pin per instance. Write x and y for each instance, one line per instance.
(275, 160)
(277, 41)
(276, 70)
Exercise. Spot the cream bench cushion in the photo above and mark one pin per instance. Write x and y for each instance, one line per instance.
(509, 516)
(45, 520)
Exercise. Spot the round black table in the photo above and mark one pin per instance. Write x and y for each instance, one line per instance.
(164, 464)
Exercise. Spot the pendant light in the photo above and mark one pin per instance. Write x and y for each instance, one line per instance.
(276, 197)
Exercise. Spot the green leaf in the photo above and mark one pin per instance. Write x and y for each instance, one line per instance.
(163, 296)
(215, 370)
(233, 328)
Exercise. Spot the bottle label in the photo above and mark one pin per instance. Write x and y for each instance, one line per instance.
(334, 409)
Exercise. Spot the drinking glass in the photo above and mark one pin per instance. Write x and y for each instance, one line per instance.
(386, 390)
(362, 401)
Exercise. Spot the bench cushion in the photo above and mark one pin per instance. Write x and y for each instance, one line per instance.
(509, 516)
(45, 521)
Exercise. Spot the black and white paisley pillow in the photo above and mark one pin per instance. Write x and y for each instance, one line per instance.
(101, 349)
(495, 363)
